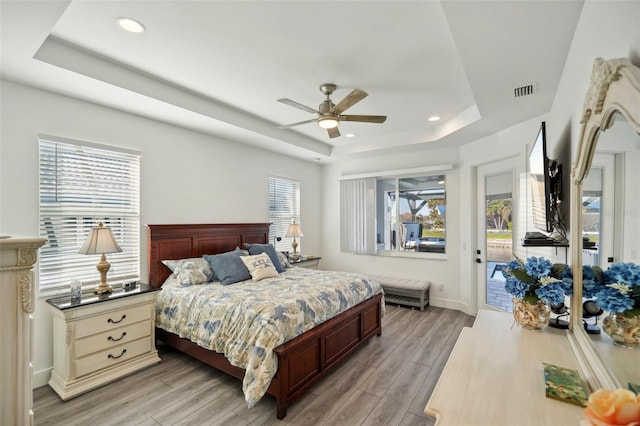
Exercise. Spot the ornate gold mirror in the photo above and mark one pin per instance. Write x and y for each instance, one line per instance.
(611, 126)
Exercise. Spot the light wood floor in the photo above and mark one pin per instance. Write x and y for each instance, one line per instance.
(386, 382)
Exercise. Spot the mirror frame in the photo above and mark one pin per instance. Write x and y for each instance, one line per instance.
(614, 88)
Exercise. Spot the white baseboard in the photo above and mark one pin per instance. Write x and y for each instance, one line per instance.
(41, 378)
(450, 304)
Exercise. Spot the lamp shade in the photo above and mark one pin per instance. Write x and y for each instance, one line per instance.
(100, 241)
(294, 231)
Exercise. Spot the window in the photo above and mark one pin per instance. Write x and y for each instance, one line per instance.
(411, 214)
(284, 205)
(81, 185)
(392, 214)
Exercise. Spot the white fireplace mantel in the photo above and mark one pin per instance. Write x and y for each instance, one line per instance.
(18, 256)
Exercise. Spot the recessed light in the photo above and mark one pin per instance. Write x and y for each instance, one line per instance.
(131, 25)
(350, 135)
(434, 118)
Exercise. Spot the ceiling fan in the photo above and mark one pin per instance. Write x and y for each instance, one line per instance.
(330, 114)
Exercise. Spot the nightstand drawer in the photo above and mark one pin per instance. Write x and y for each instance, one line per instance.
(111, 320)
(112, 356)
(101, 338)
(111, 338)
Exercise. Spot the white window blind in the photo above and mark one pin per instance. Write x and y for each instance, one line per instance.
(81, 186)
(357, 216)
(284, 205)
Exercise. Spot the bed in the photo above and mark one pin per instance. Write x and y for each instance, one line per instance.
(301, 361)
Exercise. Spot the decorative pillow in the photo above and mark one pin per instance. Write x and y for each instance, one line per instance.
(284, 260)
(259, 266)
(191, 271)
(266, 248)
(228, 267)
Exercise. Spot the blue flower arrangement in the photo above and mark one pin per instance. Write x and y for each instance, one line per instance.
(617, 289)
(538, 279)
(592, 281)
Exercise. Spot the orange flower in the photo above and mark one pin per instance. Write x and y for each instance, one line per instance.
(606, 407)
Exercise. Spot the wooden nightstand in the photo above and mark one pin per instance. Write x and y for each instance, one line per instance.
(101, 338)
(310, 262)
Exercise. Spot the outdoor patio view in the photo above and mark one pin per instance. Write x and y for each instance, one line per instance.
(414, 214)
(499, 250)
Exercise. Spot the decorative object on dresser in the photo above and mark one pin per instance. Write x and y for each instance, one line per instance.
(293, 232)
(563, 384)
(535, 284)
(101, 241)
(619, 295)
(18, 255)
(101, 338)
(607, 407)
(299, 362)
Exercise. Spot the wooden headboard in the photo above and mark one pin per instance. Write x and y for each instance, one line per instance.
(184, 241)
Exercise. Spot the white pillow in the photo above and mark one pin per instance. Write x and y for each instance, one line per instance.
(284, 260)
(259, 266)
(191, 271)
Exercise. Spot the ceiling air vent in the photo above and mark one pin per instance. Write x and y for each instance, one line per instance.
(524, 90)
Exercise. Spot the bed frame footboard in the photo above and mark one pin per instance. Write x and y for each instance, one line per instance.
(307, 358)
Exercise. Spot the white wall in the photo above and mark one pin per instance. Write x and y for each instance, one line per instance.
(186, 177)
(606, 29)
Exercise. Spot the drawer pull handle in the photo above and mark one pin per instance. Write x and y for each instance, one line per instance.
(116, 322)
(124, 333)
(118, 356)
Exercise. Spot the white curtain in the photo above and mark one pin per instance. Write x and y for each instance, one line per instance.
(357, 216)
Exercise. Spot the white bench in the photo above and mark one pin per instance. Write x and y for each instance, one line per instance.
(404, 291)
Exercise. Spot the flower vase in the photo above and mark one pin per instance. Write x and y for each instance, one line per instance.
(623, 329)
(531, 315)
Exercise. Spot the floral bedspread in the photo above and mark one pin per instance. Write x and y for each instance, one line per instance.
(247, 320)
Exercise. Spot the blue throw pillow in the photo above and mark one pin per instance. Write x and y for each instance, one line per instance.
(266, 248)
(228, 267)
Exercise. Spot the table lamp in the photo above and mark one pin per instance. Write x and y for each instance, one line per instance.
(294, 231)
(100, 241)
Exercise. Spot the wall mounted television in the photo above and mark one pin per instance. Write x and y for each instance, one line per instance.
(543, 196)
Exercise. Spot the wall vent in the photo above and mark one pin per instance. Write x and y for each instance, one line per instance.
(527, 90)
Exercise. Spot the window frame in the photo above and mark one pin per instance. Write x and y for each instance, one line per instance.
(359, 210)
(80, 185)
(397, 250)
(280, 221)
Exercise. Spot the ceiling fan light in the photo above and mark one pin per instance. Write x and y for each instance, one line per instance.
(328, 122)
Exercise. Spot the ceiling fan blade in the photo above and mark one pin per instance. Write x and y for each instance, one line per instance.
(334, 132)
(286, 126)
(350, 100)
(298, 105)
(364, 118)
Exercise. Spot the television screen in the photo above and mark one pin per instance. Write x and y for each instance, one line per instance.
(540, 183)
